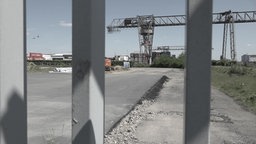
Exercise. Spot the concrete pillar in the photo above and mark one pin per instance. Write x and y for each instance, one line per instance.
(88, 44)
(197, 73)
(13, 100)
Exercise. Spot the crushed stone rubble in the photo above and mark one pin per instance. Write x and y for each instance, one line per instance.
(124, 132)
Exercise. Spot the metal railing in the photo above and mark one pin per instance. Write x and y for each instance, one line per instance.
(88, 72)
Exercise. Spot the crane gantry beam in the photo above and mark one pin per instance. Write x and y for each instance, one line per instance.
(178, 20)
(146, 24)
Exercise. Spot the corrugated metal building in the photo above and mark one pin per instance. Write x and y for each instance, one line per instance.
(66, 56)
(246, 59)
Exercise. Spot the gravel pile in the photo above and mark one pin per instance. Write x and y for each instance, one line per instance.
(124, 131)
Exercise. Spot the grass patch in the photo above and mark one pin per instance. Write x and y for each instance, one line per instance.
(238, 82)
(53, 138)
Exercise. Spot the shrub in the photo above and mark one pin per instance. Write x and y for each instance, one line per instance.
(117, 63)
(162, 61)
(239, 70)
(169, 62)
(214, 62)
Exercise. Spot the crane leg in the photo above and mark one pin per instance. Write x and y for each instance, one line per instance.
(224, 44)
(146, 32)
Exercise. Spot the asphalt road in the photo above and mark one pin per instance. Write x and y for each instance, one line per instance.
(123, 90)
(49, 108)
(49, 101)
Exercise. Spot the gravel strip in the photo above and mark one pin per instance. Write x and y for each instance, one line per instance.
(124, 131)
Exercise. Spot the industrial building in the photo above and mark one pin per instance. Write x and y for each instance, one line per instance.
(138, 57)
(47, 57)
(67, 56)
(122, 58)
(246, 59)
(158, 53)
(135, 57)
(35, 56)
(40, 56)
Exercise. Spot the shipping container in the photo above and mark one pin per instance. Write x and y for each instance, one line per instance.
(35, 54)
(36, 58)
(107, 64)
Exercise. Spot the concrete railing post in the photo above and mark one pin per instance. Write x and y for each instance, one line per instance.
(13, 100)
(197, 78)
(88, 44)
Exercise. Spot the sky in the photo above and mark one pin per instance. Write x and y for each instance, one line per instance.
(49, 26)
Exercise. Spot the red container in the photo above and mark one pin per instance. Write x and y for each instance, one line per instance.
(37, 58)
(35, 54)
(107, 63)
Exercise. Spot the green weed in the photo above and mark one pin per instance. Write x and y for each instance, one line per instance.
(52, 137)
(238, 82)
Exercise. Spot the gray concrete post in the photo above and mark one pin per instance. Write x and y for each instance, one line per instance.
(13, 100)
(88, 44)
(197, 73)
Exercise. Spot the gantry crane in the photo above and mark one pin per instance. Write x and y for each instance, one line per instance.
(146, 24)
(168, 48)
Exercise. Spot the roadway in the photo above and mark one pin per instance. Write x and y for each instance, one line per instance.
(123, 90)
(49, 101)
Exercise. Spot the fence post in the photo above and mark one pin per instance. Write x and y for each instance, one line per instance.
(13, 97)
(197, 73)
(88, 45)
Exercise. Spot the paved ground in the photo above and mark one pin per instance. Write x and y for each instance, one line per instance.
(124, 89)
(49, 101)
(152, 122)
(49, 108)
(161, 121)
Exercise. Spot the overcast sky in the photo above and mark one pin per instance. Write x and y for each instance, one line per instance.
(49, 25)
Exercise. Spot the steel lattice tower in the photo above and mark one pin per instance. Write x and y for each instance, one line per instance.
(228, 27)
(145, 33)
